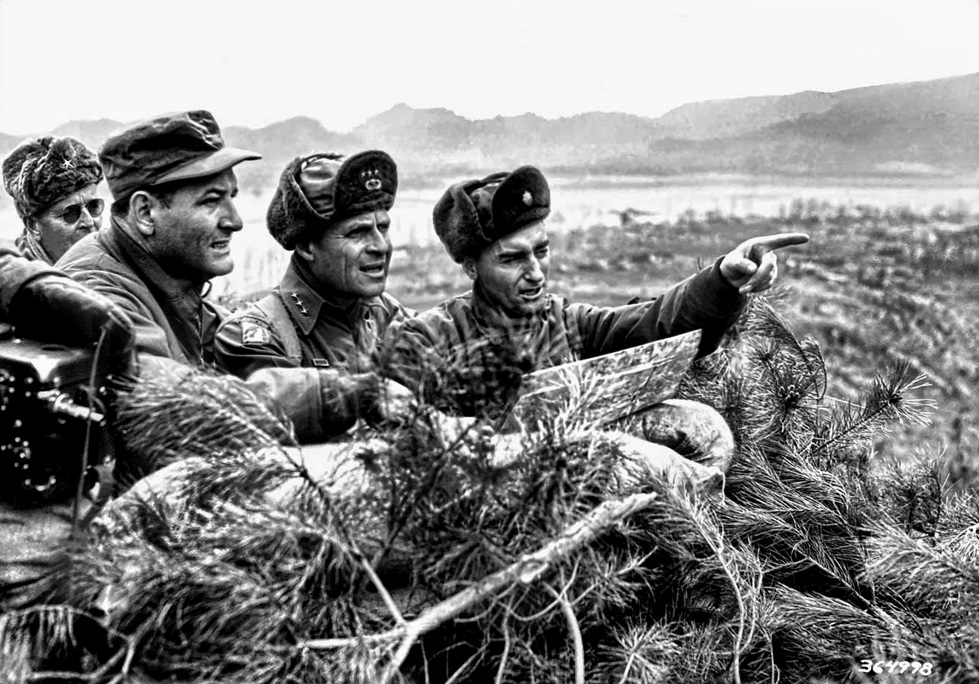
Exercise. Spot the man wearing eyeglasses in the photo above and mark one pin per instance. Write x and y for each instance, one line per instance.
(54, 184)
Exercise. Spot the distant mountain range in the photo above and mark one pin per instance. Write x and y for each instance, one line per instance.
(927, 129)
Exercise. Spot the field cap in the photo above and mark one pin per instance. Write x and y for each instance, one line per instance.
(474, 214)
(315, 192)
(40, 172)
(171, 147)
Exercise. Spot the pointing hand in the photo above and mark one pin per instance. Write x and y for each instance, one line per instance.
(752, 266)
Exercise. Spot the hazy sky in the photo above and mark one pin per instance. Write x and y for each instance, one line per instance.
(252, 63)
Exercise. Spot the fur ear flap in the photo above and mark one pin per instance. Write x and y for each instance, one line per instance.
(290, 217)
(456, 221)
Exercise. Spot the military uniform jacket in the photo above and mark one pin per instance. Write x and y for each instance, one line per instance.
(296, 326)
(465, 357)
(170, 317)
(173, 321)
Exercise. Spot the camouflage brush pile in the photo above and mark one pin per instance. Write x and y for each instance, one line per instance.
(444, 564)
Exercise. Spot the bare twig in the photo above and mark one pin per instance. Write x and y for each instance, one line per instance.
(575, 629)
(381, 589)
(717, 546)
(505, 656)
(461, 671)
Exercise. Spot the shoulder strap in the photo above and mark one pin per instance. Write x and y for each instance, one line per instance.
(278, 315)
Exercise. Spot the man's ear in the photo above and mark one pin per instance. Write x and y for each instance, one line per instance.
(469, 266)
(31, 224)
(303, 250)
(141, 206)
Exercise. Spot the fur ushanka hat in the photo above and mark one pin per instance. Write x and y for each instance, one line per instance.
(40, 172)
(474, 214)
(316, 191)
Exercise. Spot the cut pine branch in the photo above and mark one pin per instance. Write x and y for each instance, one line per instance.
(526, 570)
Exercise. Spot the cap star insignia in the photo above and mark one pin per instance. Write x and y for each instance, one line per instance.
(527, 197)
(299, 303)
(67, 164)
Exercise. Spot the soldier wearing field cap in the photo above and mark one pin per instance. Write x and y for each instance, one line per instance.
(330, 308)
(54, 184)
(172, 221)
(494, 228)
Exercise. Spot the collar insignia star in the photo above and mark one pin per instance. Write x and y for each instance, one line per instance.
(299, 303)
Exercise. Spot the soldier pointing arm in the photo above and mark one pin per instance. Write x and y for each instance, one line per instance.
(458, 354)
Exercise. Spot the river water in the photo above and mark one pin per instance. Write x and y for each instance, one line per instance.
(582, 202)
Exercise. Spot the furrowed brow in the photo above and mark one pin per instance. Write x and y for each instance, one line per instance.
(514, 253)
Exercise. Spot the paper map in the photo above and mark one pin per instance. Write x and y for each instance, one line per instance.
(609, 387)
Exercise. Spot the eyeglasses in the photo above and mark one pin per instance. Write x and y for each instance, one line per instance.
(73, 212)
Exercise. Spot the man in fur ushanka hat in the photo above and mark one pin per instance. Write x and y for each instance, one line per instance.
(54, 184)
(494, 228)
(330, 308)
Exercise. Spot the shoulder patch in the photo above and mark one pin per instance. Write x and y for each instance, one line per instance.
(254, 332)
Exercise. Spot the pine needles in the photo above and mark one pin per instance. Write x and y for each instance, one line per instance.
(440, 553)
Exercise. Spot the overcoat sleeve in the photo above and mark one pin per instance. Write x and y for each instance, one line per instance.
(16, 271)
(321, 403)
(705, 301)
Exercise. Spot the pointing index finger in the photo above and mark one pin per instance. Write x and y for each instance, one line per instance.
(779, 240)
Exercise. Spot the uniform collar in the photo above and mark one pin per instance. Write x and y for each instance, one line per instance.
(494, 320)
(30, 246)
(306, 305)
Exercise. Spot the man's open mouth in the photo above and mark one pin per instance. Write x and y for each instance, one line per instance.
(531, 293)
(373, 269)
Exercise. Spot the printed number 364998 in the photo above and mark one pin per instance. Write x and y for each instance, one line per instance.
(896, 666)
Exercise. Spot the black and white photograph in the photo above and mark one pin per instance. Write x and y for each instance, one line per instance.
(510, 342)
